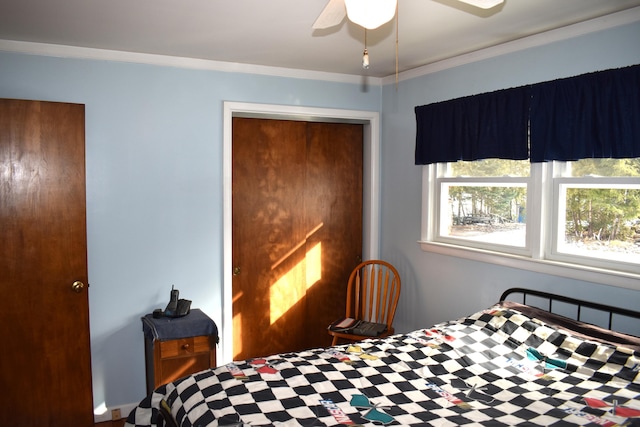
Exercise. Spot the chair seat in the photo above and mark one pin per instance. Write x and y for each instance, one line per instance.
(356, 338)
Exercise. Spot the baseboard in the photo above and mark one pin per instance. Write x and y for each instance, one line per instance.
(125, 409)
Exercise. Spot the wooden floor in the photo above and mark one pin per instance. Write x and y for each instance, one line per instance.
(119, 423)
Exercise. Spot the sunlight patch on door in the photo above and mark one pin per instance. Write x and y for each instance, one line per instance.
(288, 290)
(237, 336)
(297, 247)
(314, 265)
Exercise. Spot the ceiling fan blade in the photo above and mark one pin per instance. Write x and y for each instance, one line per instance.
(483, 4)
(332, 15)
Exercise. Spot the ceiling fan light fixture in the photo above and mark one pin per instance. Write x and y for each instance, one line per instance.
(483, 4)
(370, 14)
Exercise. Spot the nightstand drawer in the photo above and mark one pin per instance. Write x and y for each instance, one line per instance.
(184, 346)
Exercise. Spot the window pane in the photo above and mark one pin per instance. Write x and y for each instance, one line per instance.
(494, 213)
(601, 222)
(490, 168)
(605, 167)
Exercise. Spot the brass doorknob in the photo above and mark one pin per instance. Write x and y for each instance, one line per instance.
(77, 286)
(236, 271)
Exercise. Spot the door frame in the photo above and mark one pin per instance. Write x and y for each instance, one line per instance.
(370, 188)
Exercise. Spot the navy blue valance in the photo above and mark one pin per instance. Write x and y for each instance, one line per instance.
(489, 125)
(595, 115)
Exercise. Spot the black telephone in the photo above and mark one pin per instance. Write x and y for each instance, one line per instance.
(177, 307)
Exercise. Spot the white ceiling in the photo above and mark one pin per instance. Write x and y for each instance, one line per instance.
(278, 32)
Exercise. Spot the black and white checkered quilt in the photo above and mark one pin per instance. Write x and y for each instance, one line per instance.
(497, 367)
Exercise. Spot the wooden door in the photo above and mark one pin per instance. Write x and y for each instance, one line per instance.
(297, 231)
(333, 210)
(45, 366)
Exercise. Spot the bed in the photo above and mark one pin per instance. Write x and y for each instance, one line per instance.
(511, 364)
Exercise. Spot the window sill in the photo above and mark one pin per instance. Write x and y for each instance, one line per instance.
(571, 271)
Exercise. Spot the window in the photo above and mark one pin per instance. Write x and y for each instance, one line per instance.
(577, 218)
(597, 205)
(583, 214)
(484, 203)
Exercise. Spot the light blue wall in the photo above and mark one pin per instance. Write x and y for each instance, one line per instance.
(154, 186)
(437, 287)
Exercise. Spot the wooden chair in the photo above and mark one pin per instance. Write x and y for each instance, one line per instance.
(372, 295)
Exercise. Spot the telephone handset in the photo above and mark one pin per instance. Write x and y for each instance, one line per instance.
(177, 307)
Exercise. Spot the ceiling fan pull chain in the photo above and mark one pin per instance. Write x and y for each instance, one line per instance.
(365, 54)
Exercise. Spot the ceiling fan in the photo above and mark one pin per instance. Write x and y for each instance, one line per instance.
(371, 14)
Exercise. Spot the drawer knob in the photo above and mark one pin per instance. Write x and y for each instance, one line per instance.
(185, 346)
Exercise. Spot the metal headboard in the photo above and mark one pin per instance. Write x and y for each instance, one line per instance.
(574, 301)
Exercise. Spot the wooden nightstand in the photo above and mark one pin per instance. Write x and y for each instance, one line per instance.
(177, 347)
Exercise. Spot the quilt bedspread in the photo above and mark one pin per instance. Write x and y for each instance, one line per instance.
(497, 367)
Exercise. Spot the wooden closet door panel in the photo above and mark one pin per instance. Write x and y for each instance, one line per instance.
(268, 236)
(333, 200)
(45, 367)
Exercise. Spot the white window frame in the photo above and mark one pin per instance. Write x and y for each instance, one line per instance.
(540, 253)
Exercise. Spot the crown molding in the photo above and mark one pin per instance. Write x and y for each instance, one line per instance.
(586, 27)
(64, 51)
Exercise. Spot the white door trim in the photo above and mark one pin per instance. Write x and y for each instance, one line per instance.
(371, 188)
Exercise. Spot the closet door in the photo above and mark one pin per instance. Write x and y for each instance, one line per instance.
(333, 211)
(268, 236)
(297, 231)
(45, 366)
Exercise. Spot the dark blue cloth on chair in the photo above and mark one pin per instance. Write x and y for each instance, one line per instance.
(194, 324)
